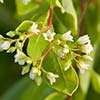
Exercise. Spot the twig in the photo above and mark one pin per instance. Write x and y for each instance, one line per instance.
(83, 7)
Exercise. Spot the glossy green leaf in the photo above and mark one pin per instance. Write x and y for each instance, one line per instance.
(71, 17)
(96, 81)
(23, 8)
(24, 26)
(55, 96)
(67, 82)
(25, 89)
(36, 46)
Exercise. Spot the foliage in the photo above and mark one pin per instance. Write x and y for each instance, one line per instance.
(51, 48)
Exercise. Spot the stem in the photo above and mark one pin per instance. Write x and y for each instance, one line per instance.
(83, 7)
(68, 98)
(46, 52)
(46, 28)
(50, 17)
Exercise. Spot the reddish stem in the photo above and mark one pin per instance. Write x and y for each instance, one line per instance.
(50, 17)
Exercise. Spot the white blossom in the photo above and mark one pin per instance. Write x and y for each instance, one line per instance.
(83, 66)
(20, 57)
(60, 53)
(87, 48)
(2, 1)
(34, 73)
(83, 39)
(52, 77)
(25, 2)
(66, 49)
(5, 45)
(49, 36)
(34, 28)
(88, 58)
(67, 36)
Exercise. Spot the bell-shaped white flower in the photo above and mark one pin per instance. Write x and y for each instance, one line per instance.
(49, 36)
(34, 28)
(87, 48)
(67, 36)
(5, 45)
(34, 73)
(83, 39)
(66, 49)
(82, 66)
(20, 57)
(60, 53)
(25, 2)
(2, 1)
(52, 77)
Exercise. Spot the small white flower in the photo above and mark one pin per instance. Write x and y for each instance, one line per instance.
(66, 49)
(34, 28)
(49, 36)
(58, 42)
(83, 66)
(60, 53)
(20, 57)
(34, 73)
(83, 39)
(67, 36)
(5, 45)
(88, 58)
(87, 48)
(52, 77)
(25, 2)
(2, 1)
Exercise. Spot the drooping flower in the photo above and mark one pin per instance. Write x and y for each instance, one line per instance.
(2, 1)
(20, 57)
(25, 2)
(49, 36)
(5, 45)
(83, 39)
(34, 28)
(87, 48)
(82, 66)
(66, 49)
(52, 77)
(34, 73)
(67, 36)
(60, 53)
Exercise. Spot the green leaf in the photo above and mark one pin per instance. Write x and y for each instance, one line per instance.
(23, 9)
(36, 46)
(25, 89)
(24, 26)
(67, 82)
(56, 96)
(71, 17)
(96, 81)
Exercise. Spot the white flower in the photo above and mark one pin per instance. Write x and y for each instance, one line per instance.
(67, 36)
(1, 1)
(5, 45)
(26, 2)
(20, 57)
(34, 73)
(34, 28)
(83, 39)
(49, 36)
(82, 66)
(66, 49)
(60, 53)
(52, 77)
(87, 48)
(58, 42)
(88, 58)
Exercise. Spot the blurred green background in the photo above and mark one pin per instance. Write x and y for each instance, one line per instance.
(13, 86)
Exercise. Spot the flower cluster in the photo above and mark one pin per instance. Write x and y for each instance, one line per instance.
(72, 50)
(64, 46)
